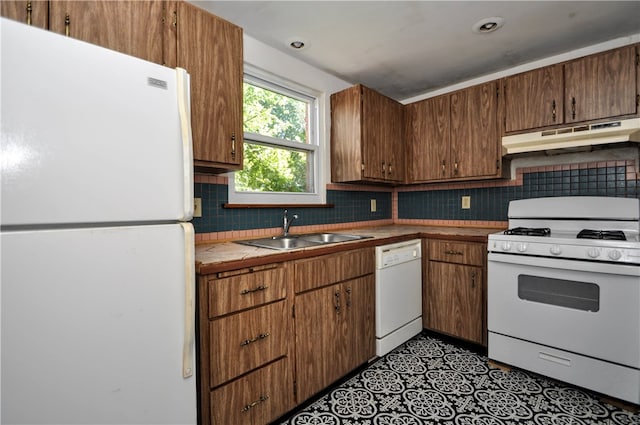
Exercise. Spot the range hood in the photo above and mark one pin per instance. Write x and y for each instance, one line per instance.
(571, 137)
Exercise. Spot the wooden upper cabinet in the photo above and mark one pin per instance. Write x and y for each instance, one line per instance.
(32, 12)
(210, 49)
(366, 137)
(427, 130)
(454, 136)
(475, 140)
(595, 87)
(131, 27)
(534, 99)
(601, 86)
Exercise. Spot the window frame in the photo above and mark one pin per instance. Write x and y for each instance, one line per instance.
(314, 147)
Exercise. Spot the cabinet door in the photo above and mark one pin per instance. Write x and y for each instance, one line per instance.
(454, 300)
(428, 137)
(534, 99)
(374, 132)
(601, 86)
(210, 49)
(475, 140)
(318, 327)
(131, 27)
(358, 322)
(395, 141)
(31, 12)
(346, 135)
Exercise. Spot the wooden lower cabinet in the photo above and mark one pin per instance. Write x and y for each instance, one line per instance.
(334, 324)
(454, 292)
(273, 335)
(245, 334)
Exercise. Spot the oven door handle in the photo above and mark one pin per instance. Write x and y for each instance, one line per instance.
(565, 264)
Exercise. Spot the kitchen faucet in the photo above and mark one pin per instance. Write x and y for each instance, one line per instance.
(286, 223)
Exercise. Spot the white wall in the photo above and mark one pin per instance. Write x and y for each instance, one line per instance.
(585, 51)
(270, 61)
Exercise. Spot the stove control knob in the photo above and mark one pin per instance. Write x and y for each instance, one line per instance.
(522, 247)
(506, 246)
(593, 252)
(614, 254)
(555, 250)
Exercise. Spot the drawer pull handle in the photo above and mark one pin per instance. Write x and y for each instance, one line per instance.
(249, 291)
(452, 252)
(252, 340)
(248, 407)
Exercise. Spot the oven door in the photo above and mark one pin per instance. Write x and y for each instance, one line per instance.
(583, 307)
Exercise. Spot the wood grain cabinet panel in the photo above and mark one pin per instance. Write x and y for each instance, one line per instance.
(328, 269)
(334, 317)
(231, 294)
(455, 136)
(591, 88)
(210, 49)
(367, 140)
(31, 12)
(454, 300)
(534, 99)
(255, 399)
(247, 340)
(454, 289)
(132, 27)
(428, 136)
(335, 333)
(601, 86)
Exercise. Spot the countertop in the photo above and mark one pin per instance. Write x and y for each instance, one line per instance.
(222, 256)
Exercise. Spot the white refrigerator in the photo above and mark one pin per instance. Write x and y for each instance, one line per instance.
(97, 255)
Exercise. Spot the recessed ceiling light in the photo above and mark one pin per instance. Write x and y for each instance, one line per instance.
(297, 43)
(487, 25)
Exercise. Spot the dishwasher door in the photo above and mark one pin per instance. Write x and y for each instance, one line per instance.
(398, 294)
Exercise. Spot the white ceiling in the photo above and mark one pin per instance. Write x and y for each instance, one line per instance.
(406, 48)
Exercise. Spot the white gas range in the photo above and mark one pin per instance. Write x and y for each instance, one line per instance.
(564, 292)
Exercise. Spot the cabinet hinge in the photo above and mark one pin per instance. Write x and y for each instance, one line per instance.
(497, 164)
(497, 92)
(293, 311)
(637, 59)
(295, 388)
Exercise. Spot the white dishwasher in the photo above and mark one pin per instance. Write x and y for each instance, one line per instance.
(398, 294)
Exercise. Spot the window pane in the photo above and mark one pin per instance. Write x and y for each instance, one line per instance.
(273, 169)
(275, 115)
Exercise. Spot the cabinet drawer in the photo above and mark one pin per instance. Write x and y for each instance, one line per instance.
(457, 252)
(246, 290)
(247, 340)
(257, 398)
(329, 269)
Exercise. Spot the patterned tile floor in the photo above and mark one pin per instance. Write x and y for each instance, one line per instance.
(428, 380)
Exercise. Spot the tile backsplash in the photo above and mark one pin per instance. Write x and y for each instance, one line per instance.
(437, 203)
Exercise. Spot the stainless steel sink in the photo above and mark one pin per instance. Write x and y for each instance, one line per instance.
(331, 237)
(301, 241)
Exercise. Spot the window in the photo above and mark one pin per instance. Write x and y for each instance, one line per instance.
(281, 150)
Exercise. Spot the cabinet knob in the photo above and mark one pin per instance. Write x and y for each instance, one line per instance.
(443, 164)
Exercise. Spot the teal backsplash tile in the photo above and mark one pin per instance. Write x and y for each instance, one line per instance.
(491, 203)
(349, 206)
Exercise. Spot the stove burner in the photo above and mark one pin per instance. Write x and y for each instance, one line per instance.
(617, 235)
(529, 231)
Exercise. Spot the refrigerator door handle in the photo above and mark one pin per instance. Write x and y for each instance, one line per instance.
(189, 301)
(184, 112)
